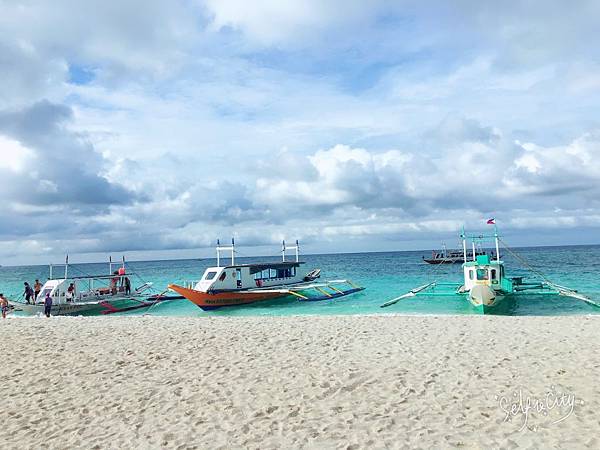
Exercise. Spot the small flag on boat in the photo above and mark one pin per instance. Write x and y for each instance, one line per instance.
(491, 221)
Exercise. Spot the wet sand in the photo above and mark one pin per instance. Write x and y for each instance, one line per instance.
(299, 382)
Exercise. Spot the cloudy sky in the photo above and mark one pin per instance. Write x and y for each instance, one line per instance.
(155, 127)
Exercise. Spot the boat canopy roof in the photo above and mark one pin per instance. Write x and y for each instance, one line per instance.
(482, 260)
(93, 277)
(258, 267)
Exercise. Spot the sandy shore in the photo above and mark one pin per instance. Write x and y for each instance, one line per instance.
(298, 382)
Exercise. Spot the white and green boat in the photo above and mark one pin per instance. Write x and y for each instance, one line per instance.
(486, 285)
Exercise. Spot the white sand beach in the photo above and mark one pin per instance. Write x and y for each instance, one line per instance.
(298, 382)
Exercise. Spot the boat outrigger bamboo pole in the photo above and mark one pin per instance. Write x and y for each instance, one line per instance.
(411, 293)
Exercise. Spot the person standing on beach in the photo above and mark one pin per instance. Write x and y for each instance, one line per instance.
(37, 287)
(3, 305)
(47, 304)
(28, 293)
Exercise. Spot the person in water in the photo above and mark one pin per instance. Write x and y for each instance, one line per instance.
(28, 293)
(47, 304)
(3, 305)
(37, 287)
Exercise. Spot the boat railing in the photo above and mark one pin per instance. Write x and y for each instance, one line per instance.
(189, 284)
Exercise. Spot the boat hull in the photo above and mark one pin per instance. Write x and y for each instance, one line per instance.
(486, 300)
(208, 301)
(99, 307)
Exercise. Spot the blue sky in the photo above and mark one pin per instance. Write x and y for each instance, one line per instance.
(153, 127)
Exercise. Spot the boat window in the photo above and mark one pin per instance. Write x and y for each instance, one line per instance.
(210, 275)
(272, 273)
(482, 274)
(470, 274)
(493, 274)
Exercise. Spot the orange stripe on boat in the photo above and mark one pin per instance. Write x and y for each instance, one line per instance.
(206, 300)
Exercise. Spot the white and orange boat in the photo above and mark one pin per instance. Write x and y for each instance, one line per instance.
(241, 284)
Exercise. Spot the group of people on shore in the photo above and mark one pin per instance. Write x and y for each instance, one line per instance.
(31, 294)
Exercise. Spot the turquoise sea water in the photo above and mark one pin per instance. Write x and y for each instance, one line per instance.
(385, 275)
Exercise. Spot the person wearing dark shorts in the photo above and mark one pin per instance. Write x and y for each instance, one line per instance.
(127, 286)
(47, 304)
(28, 293)
(37, 287)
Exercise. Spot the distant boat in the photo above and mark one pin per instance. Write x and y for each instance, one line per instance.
(446, 256)
(242, 284)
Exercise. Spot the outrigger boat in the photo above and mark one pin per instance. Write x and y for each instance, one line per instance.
(241, 284)
(486, 285)
(91, 295)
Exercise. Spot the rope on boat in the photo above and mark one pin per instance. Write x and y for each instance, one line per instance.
(562, 290)
(147, 313)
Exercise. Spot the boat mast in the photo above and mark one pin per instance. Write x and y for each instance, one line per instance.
(497, 246)
(296, 248)
(218, 255)
(224, 249)
(66, 266)
(283, 251)
(464, 239)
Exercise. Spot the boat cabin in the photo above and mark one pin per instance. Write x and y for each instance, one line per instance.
(482, 270)
(246, 276)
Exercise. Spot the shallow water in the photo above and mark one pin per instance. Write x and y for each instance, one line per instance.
(384, 275)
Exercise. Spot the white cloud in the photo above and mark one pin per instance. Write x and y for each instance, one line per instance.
(276, 22)
(15, 156)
